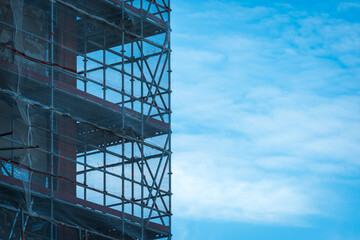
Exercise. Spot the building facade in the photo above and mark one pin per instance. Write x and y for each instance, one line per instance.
(85, 133)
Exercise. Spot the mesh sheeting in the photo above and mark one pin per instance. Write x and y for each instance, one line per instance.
(85, 100)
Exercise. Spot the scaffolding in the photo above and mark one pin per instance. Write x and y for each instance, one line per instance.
(85, 133)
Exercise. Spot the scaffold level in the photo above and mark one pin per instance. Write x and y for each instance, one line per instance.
(85, 133)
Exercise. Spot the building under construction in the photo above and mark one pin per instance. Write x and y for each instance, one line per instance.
(85, 148)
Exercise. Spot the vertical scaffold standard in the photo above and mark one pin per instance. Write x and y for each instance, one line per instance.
(85, 133)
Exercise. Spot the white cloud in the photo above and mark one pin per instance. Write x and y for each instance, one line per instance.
(223, 13)
(262, 121)
(209, 184)
(261, 165)
(348, 5)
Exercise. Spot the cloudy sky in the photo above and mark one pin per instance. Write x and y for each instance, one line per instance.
(266, 102)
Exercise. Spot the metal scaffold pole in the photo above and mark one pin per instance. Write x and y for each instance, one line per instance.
(52, 227)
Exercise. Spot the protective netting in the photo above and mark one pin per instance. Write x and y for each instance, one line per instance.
(85, 119)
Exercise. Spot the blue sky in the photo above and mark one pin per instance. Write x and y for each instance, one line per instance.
(266, 119)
